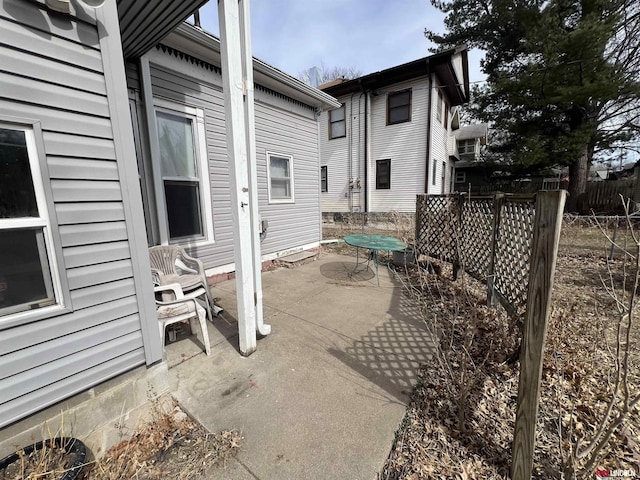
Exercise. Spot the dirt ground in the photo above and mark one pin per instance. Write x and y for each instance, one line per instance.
(461, 418)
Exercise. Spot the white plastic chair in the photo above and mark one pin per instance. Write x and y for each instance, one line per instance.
(171, 264)
(179, 310)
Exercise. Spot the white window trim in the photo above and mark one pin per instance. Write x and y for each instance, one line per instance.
(268, 156)
(44, 222)
(197, 114)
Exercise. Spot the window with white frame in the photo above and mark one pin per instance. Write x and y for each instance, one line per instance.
(184, 173)
(28, 273)
(280, 172)
(439, 106)
(467, 147)
(461, 176)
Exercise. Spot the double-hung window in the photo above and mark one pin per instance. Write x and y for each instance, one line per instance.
(399, 107)
(280, 173)
(184, 173)
(383, 174)
(337, 123)
(28, 269)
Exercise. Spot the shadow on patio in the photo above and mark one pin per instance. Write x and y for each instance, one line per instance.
(323, 394)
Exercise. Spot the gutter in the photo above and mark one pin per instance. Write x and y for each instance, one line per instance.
(366, 151)
(295, 88)
(429, 108)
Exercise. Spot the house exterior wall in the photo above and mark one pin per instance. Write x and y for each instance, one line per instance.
(405, 144)
(440, 134)
(57, 75)
(283, 126)
(344, 159)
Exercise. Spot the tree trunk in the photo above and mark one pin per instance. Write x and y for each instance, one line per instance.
(578, 174)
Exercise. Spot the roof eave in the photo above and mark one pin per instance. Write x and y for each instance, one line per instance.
(207, 46)
(439, 63)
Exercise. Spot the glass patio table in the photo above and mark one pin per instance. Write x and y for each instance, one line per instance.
(373, 243)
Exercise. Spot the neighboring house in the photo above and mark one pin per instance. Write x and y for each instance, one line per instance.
(392, 137)
(76, 300)
(469, 172)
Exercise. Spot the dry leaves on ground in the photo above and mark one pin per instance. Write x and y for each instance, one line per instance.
(171, 446)
(460, 421)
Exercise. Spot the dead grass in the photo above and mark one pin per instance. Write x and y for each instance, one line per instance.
(446, 436)
(172, 445)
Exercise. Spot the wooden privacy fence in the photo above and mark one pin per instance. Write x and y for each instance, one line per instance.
(604, 197)
(510, 242)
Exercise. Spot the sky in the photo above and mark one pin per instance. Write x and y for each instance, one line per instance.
(369, 35)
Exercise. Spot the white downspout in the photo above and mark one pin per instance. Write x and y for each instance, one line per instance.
(234, 90)
(250, 125)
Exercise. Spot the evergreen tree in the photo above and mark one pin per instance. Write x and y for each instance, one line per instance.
(560, 76)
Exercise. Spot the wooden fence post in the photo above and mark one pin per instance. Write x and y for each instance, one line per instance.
(498, 200)
(457, 229)
(418, 226)
(544, 251)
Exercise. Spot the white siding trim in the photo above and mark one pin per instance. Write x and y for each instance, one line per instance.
(116, 85)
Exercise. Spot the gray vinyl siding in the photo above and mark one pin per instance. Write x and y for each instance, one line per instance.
(54, 74)
(281, 127)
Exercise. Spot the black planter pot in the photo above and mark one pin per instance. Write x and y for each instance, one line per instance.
(404, 257)
(75, 450)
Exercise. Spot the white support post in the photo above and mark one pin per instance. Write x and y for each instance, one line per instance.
(249, 115)
(234, 89)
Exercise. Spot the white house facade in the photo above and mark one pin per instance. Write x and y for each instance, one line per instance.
(391, 139)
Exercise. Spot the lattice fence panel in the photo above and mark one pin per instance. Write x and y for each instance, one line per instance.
(460, 230)
(513, 252)
(437, 226)
(476, 236)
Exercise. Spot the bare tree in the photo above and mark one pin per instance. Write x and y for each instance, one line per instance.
(323, 74)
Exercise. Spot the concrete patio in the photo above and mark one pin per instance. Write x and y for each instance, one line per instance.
(325, 392)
